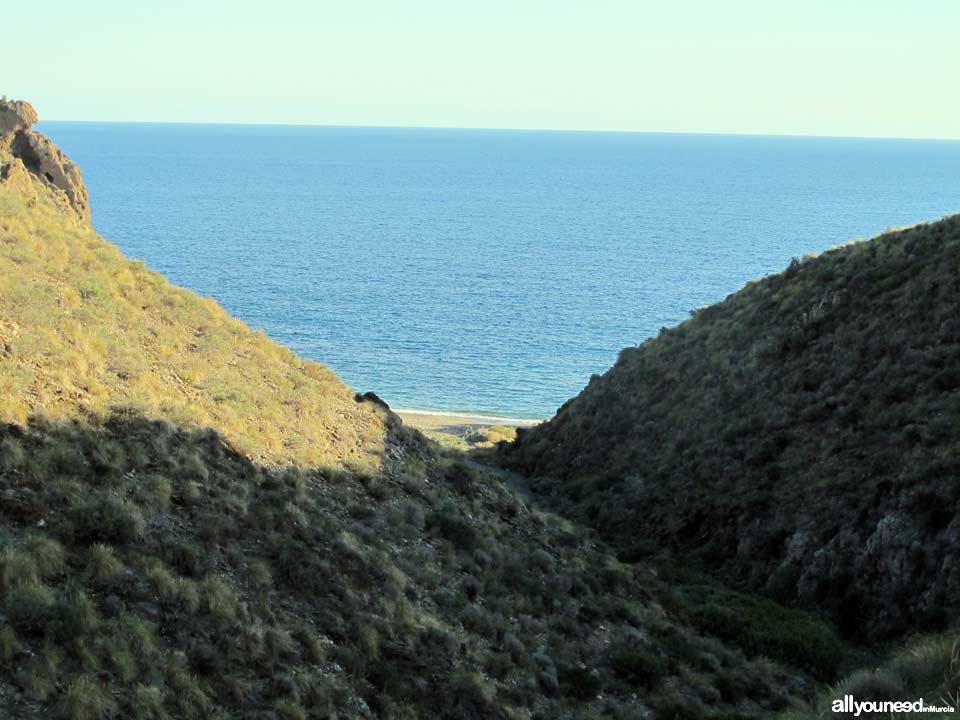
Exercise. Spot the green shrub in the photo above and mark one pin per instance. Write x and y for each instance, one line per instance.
(12, 455)
(154, 493)
(879, 684)
(163, 582)
(74, 613)
(761, 627)
(47, 554)
(103, 565)
(450, 526)
(106, 517)
(639, 666)
(29, 606)
(218, 598)
(462, 478)
(578, 682)
(86, 699)
(9, 645)
(147, 703)
(17, 568)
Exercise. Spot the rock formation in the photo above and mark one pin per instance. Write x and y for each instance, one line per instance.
(30, 159)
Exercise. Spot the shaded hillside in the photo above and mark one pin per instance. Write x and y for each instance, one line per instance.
(802, 437)
(83, 329)
(151, 572)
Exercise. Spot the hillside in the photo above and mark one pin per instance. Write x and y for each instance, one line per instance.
(799, 438)
(84, 330)
(195, 523)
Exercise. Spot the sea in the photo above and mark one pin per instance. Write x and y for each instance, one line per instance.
(484, 271)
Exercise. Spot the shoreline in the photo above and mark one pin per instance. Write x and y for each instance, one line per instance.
(444, 420)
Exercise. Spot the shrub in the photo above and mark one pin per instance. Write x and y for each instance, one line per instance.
(450, 526)
(47, 554)
(29, 606)
(74, 613)
(17, 568)
(878, 684)
(163, 582)
(761, 627)
(103, 565)
(926, 661)
(154, 493)
(12, 455)
(147, 703)
(219, 600)
(579, 682)
(288, 709)
(9, 645)
(106, 517)
(468, 696)
(462, 478)
(639, 666)
(86, 699)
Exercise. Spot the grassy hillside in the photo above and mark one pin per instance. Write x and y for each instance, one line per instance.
(83, 329)
(800, 438)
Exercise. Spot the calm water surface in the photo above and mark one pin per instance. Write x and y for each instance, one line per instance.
(484, 271)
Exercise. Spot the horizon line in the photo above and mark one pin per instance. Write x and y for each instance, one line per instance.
(389, 126)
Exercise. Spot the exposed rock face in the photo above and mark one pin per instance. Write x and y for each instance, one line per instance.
(16, 116)
(23, 149)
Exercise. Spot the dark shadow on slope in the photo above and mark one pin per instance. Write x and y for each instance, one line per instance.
(152, 571)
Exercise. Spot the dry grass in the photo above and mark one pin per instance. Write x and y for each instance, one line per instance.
(83, 329)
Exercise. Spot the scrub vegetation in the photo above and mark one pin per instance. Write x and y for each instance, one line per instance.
(151, 571)
(799, 439)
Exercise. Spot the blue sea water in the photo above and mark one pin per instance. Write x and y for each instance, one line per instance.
(480, 270)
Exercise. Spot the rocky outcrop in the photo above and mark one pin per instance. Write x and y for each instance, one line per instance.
(29, 158)
(16, 116)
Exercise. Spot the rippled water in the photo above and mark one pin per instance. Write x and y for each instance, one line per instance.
(484, 271)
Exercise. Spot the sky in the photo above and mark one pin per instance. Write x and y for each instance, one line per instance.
(876, 68)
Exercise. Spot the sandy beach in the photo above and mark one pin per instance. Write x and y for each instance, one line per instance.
(456, 424)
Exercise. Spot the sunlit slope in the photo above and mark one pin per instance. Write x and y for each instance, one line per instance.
(83, 329)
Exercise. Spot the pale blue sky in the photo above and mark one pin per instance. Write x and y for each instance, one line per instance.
(864, 68)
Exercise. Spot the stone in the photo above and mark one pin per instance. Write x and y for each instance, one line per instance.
(371, 397)
(44, 159)
(14, 175)
(23, 149)
(16, 116)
